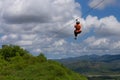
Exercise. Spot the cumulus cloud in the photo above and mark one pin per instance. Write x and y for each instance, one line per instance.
(116, 45)
(45, 26)
(97, 42)
(59, 43)
(22, 43)
(36, 24)
(23, 11)
(102, 3)
(8, 37)
(22, 16)
(102, 46)
(104, 27)
(109, 26)
(4, 38)
(106, 35)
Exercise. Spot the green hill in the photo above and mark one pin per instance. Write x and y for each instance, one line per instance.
(17, 64)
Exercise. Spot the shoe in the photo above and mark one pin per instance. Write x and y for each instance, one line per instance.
(75, 38)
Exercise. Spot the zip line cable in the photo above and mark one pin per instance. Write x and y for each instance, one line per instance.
(90, 10)
(84, 14)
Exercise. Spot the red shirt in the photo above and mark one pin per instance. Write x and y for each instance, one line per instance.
(77, 27)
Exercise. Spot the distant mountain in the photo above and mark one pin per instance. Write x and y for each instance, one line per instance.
(94, 64)
(103, 58)
(109, 58)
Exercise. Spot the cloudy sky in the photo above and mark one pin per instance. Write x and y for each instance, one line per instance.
(47, 26)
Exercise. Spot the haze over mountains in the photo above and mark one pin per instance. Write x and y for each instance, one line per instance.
(94, 64)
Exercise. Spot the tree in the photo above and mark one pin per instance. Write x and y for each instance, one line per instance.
(41, 57)
(9, 51)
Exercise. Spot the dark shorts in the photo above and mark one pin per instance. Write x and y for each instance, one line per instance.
(76, 33)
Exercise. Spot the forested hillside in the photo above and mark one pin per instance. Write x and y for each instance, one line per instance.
(18, 64)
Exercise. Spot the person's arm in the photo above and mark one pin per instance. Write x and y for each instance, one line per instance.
(74, 26)
(80, 26)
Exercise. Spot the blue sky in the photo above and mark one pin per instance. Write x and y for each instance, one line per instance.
(109, 10)
(49, 28)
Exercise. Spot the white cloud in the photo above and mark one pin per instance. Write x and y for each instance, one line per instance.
(104, 27)
(59, 43)
(90, 39)
(28, 36)
(91, 21)
(33, 17)
(94, 42)
(106, 35)
(22, 43)
(45, 26)
(100, 42)
(4, 38)
(36, 24)
(116, 45)
(37, 51)
(13, 36)
(9, 37)
(109, 26)
(23, 11)
(101, 3)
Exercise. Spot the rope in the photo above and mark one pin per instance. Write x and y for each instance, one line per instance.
(90, 10)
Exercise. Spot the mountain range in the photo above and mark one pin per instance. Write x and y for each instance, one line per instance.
(93, 64)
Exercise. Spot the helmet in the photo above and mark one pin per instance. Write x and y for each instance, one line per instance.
(77, 22)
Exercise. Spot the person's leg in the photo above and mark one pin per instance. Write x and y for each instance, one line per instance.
(75, 33)
(79, 32)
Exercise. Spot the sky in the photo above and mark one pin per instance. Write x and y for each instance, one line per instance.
(47, 26)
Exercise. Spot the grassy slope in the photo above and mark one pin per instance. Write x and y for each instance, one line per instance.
(32, 68)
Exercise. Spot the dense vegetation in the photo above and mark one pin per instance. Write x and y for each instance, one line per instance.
(17, 64)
